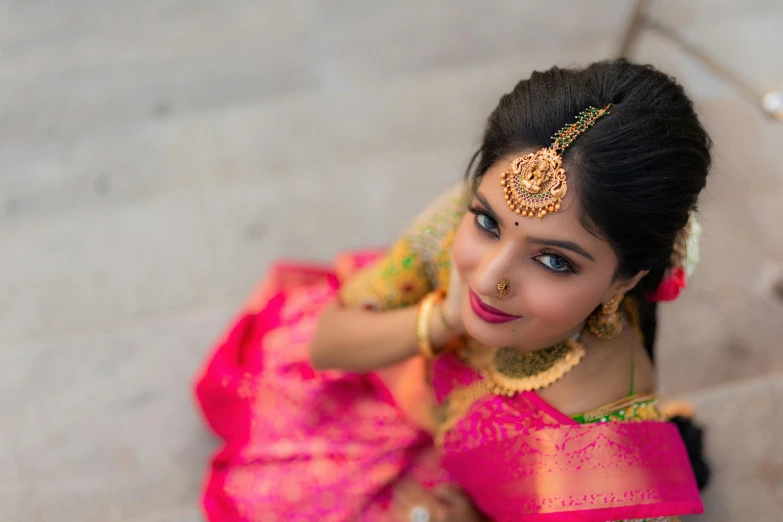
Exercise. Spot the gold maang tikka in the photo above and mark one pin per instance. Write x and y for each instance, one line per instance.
(536, 183)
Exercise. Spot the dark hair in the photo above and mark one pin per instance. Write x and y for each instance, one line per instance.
(638, 172)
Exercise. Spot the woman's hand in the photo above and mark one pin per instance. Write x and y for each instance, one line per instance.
(443, 504)
(452, 304)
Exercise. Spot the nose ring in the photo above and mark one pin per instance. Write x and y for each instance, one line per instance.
(503, 288)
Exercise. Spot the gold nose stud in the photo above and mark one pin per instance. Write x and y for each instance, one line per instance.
(503, 288)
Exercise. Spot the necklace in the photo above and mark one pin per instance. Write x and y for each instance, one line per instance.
(507, 371)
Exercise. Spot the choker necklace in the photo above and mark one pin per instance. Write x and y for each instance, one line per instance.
(508, 371)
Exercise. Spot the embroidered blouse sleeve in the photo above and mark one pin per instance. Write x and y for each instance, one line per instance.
(417, 263)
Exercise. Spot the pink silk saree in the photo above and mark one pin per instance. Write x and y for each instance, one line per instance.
(332, 446)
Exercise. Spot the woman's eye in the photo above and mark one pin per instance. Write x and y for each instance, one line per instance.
(555, 263)
(487, 223)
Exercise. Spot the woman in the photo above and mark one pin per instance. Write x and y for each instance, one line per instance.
(497, 362)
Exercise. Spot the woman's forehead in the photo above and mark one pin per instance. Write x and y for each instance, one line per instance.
(564, 224)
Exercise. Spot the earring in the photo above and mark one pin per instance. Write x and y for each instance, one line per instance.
(504, 287)
(607, 324)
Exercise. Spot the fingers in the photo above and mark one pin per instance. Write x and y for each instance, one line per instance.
(452, 306)
(446, 494)
(458, 506)
(452, 496)
(409, 495)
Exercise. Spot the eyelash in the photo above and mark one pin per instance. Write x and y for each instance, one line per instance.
(569, 266)
(476, 211)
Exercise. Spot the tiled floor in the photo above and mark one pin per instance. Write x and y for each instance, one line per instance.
(156, 155)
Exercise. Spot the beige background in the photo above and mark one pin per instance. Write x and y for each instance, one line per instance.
(156, 155)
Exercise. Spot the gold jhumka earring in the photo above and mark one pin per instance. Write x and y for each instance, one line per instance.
(535, 184)
(504, 287)
(608, 323)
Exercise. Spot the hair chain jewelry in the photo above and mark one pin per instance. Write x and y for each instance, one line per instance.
(535, 184)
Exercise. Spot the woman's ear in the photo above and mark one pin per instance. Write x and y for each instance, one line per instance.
(623, 286)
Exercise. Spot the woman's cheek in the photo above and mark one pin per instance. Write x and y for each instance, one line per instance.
(466, 249)
(559, 303)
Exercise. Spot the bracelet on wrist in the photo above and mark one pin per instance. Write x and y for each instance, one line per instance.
(423, 325)
(423, 320)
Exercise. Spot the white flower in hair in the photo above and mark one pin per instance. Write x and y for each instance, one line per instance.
(692, 246)
(685, 255)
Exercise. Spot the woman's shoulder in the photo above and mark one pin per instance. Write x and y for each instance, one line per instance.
(608, 381)
(439, 217)
(417, 262)
(430, 234)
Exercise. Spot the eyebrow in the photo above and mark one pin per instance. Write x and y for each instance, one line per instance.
(483, 201)
(566, 245)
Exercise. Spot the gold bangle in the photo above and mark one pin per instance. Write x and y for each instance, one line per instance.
(423, 325)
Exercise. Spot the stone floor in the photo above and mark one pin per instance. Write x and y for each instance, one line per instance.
(156, 155)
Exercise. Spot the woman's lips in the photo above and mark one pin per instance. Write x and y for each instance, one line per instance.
(487, 313)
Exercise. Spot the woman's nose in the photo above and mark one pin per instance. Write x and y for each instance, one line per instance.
(493, 276)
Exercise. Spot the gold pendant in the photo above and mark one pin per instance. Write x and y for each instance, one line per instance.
(535, 183)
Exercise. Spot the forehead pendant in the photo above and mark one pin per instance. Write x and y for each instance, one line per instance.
(535, 184)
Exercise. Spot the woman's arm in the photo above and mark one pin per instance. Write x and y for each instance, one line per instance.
(374, 324)
(360, 340)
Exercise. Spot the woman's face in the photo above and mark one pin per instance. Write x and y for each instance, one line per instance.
(558, 272)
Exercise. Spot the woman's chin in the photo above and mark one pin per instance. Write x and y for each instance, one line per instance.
(488, 334)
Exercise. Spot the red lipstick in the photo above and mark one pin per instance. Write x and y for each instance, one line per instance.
(488, 313)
